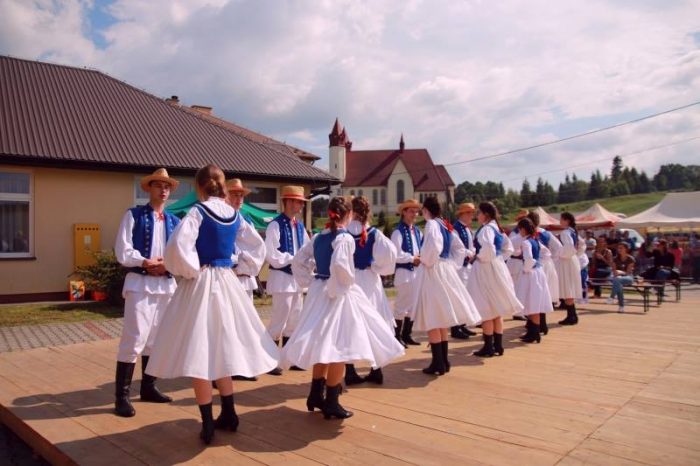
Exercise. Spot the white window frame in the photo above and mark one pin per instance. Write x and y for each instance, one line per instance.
(141, 197)
(21, 197)
(265, 205)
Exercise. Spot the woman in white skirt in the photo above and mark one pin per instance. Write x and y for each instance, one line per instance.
(532, 289)
(443, 301)
(515, 262)
(549, 251)
(375, 255)
(490, 283)
(338, 323)
(569, 268)
(211, 330)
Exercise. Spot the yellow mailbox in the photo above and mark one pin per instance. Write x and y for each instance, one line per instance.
(86, 238)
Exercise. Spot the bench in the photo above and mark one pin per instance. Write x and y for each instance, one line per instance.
(644, 288)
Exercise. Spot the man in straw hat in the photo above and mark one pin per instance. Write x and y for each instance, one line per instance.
(465, 216)
(408, 240)
(148, 287)
(284, 238)
(515, 261)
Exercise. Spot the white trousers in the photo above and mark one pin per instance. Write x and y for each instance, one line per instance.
(143, 313)
(286, 309)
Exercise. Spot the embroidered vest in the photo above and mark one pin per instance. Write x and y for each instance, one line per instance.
(407, 243)
(323, 251)
(574, 236)
(465, 235)
(287, 240)
(544, 236)
(497, 241)
(363, 254)
(535, 250)
(216, 238)
(446, 239)
(142, 233)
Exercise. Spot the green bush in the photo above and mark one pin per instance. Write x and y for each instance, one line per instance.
(106, 275)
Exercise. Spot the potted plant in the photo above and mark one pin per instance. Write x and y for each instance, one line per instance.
(104, 278)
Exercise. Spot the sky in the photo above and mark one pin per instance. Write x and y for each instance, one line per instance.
(463, 79)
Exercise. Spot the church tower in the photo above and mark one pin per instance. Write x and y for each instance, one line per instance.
(338, 148)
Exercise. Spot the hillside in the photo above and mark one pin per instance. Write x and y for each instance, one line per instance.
(629, 205)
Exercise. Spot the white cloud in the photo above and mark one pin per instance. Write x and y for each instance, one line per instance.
(463, 79)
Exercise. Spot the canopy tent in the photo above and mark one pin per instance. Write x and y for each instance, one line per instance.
(547, 221)
(260, 217)
(596, 216)
(676, 210)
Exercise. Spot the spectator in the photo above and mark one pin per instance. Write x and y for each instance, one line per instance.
(663, 265)
(623, 275)
(602, 262)
(695, 254)
(590, 244)
(677, 252)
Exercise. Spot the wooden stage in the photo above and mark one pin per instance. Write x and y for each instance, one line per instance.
(616, 389)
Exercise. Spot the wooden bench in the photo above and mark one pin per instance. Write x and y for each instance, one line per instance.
(644, 288)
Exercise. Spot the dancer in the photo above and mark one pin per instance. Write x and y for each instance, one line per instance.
(549, 250)
(465, 215)
(532, 289)
(490, 283)
(569, 268)
(211, 330)
(408, 240)
(148, 286)
(338, 323)
(285, 236)
(515, 261)
(375, 255)
(441, 254)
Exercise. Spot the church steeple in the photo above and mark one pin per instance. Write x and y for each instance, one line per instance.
(402, 145)
(336, 136)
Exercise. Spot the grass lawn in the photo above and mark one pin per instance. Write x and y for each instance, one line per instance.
(35, 314)
(628, 205)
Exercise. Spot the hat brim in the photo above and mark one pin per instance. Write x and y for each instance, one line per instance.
(465, 210)
(146, 180)
(409, 205)
(295, 198)
(238, 189)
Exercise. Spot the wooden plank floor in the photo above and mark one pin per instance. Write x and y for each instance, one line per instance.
(616, 389)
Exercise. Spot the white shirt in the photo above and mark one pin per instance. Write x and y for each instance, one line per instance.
(279, 281)
(433, 243)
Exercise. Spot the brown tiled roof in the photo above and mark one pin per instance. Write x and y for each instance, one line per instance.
(373, 168)
(54, 114)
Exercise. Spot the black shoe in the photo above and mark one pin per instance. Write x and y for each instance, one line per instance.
(397, 332)
(406, 332)
(571, 317)
(375, 376)
(122, 404)
(543, 324)
(276, 371)
(562, 304)
(207, 433)
(149, 391)
(498, 344)
(519, 318)
(437, 365)
(331, 406)
(467, 332)
(315, 398)
(243, 378)
(228, 419)
(296, 368)
(457, 333)
(486, 351)
(444, 345)
(533, 333)
(351, 377)
(528, 330)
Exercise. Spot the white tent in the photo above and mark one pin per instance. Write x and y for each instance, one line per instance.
(546, 220)
(596, 216)
(676, 210)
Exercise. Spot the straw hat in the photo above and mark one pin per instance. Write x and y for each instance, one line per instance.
(293, 192)
(522, 213)
(159, 175)
(407, 205)
(236, 185)
(465, 207)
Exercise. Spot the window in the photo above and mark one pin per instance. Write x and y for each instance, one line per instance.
(399, 191)
(183, 189)
(360, 193)
(16, 235)
(383, 198)
(375, 197)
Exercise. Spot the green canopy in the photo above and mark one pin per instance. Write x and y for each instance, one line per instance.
(260, 217)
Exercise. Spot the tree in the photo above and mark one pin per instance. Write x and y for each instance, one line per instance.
(319, 206)
(526, 194)
(616, 171)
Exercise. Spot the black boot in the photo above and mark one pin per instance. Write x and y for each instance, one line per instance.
(149, 391)
(293, 368)
(571, 317)
(122, 384)
(228, 419)
(457, 333)
(437, 365)
(562, 304)
(444, 348)
(315, 398)
(406, 332)
(543, 324)
(533, 333)
(207, 433)
(331, 406)
(466, 331)
(486, 351)
(519, 318)
(498, 344)
(351, 377)
(375, 376)
(574, 314)
(397, 332)
(277, 370)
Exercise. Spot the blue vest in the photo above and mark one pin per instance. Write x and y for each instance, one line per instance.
(544, 236)
(363, 254)
(446, 239)
(142, 233)
(574, 236)
(286, 238)
(323, 251)
(466, 236)
(497, 241)
(535, 250)
(216, 238)
(407, 243)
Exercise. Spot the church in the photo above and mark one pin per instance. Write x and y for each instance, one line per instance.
(387, 177)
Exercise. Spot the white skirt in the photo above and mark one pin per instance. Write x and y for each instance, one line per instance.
(342, 329)
(211, 330)
(569, 278)
(533, 292)
(463, 273)
(515, 268)
(491, 288)
(443, 300)
(371, 284)
(406, 298)
(550, 271)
